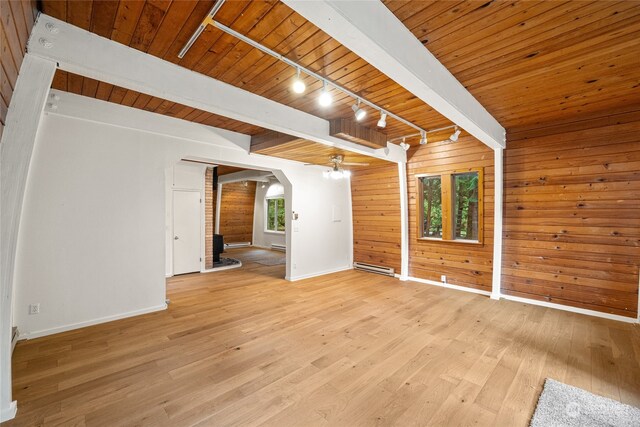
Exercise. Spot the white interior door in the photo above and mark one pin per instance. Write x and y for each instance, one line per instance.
(186, 231)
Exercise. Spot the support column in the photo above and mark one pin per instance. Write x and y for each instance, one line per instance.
(16, 149)
(404, 221)
(497, 223)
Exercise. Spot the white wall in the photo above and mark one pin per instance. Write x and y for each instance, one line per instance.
(261, 237)
(92, 241)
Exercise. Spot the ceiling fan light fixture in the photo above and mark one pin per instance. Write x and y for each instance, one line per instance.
(298, 84)
(359, 112)
(325, 98)
(382, 123)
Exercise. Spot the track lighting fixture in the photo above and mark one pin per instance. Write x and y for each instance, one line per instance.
(298, 84)
(359, 112)
(423, 137)
(382, 123)
(325, 98)
(404, 144)
(454, 136)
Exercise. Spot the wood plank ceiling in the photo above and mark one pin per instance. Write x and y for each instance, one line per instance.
(526, 62)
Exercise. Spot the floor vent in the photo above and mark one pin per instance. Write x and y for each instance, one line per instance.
(237, 245)
(387, 271)
(277, 247)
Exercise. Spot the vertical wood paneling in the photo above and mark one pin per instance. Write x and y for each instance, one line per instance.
(236, 211)
(16, 21)
(209, 217)
(572, 213)
(464, 264)
(375, 195)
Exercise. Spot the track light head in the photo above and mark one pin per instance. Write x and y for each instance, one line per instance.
(382, 123)
(454, 136)
(423, 137)
(359, 112)
(298, 84)
(325, 98)
(404, 145)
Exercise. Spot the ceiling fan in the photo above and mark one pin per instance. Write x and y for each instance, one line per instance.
(336, 161)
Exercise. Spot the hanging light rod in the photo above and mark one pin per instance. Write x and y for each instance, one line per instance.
(209, 20)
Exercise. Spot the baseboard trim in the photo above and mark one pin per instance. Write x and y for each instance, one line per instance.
(320, 273)
(9, 412)
(65, 328)
(448, 286)
(570, 309)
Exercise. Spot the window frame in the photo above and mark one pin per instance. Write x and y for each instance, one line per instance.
(266, 214)
(447, 201)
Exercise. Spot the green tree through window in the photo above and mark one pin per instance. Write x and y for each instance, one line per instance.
(275, 214)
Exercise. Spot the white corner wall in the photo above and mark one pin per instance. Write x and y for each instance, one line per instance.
(92, 240)
(261, 237)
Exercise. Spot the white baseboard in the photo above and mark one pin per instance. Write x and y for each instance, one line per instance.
(320, 273)
(449, 286)
(570, 308)
(9, 412)
(65, 328)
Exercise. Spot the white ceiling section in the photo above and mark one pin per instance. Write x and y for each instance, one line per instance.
(373, 32)
(87, 54)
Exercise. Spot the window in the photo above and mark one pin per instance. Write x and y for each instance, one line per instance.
(275, 214)
(450, 206)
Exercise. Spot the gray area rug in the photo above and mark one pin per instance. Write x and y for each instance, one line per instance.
(563, 405)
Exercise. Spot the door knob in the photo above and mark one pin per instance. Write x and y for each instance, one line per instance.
(175, 238)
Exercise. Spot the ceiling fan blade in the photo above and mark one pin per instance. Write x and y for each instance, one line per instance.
(354, 164)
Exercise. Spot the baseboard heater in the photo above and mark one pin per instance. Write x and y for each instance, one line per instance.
(387, 271)
(237, 245)
(277, 247)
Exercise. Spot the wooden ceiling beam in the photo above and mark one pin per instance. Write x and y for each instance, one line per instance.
(270, 139)
(84, 53)
(399, 54)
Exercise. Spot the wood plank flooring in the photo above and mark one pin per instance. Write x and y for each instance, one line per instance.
(245, 347)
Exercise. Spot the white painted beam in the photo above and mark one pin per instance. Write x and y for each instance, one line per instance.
(248, 175)
(374, 33)
(16, 148)
(87, 54)
(404, 222)
(496, 282)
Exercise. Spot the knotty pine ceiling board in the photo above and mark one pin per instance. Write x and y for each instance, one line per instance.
(527, 62)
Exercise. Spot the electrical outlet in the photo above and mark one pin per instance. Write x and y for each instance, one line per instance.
(34, 308)
(443, 278)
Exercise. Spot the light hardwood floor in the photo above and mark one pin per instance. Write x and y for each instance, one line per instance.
(245, 347)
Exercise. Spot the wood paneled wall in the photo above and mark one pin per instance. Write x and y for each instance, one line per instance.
(375, 195)
(236, 211)
(210, 195)
(572, 213)
(464, 264)
(17, 17)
